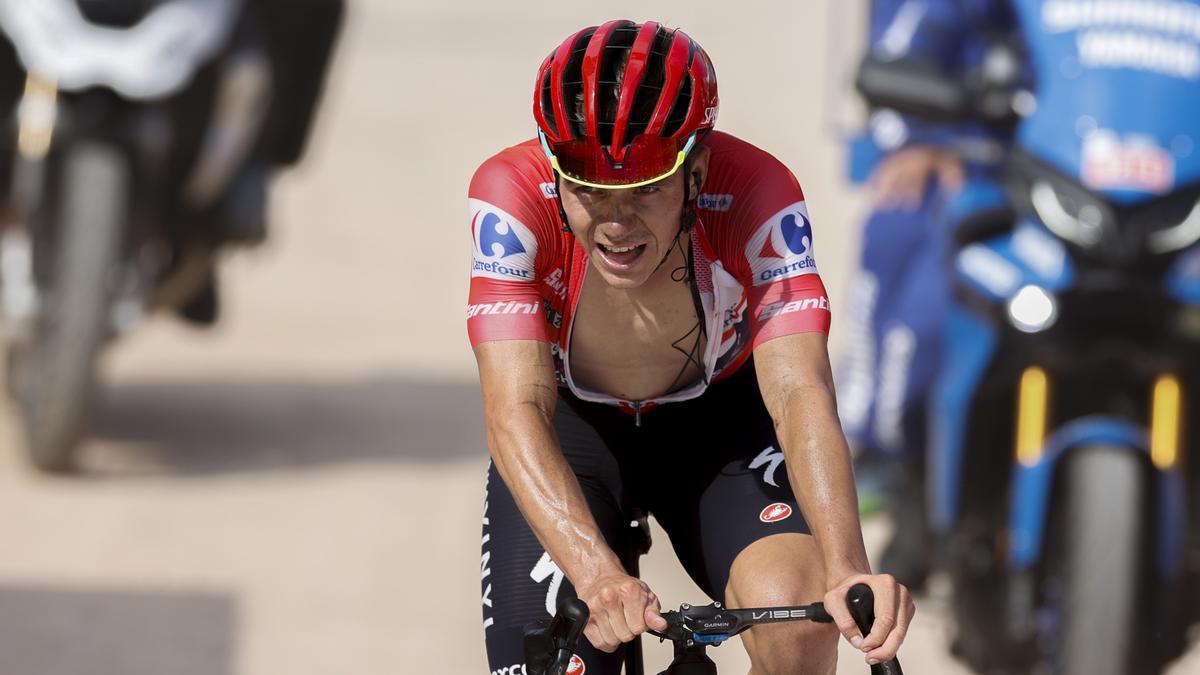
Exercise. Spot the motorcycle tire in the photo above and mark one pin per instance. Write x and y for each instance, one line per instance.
(56, 369)
(1103, 564)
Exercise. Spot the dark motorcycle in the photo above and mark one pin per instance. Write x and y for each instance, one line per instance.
(139, 153)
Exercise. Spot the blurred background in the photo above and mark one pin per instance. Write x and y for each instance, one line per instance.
(298, 488)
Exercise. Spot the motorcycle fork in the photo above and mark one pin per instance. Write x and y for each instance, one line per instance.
(37, 117)
(47, 122)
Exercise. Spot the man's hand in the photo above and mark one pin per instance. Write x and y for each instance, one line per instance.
(902, 177)
(622, 607)
(894, 611)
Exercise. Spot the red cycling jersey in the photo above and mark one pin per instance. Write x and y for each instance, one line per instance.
(752, 249)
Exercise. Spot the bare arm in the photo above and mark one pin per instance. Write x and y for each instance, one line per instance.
(797, 386)
(519, 395)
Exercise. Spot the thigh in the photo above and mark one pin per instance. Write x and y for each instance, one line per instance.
(521, 583)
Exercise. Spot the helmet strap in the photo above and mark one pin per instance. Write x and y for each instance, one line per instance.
(562, 213)
(689, 200)
(688, 220)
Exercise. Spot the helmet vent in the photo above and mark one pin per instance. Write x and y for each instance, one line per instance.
(679, 111)
(650, 88)
(546, 97)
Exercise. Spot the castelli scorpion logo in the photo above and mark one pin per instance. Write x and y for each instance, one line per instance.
(775, 512)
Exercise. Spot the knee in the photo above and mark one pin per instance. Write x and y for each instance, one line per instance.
(783, 570)
(793, 649)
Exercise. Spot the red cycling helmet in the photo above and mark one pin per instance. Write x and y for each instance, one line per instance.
(622, 104)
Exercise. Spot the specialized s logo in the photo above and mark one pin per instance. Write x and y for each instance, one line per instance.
(782, 247)
(504, 247)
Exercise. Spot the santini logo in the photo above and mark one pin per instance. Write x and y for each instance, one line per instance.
(502, 307)
(785, 307)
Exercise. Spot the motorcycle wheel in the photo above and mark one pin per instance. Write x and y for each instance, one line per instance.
(1101, 566)
(55, 371)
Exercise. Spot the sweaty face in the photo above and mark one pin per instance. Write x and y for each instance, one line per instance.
(626, 232)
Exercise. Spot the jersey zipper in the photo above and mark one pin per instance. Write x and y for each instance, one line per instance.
(637, 414)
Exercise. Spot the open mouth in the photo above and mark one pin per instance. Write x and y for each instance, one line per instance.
(621, 256)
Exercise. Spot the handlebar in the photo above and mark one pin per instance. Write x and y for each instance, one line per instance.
(861, 602)
(549, 648)
(918, 87)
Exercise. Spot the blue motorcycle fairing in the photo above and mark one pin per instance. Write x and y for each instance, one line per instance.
(1028, 255)
(1101, 62)
(978, 195)
(1031, 491)
(970, 346)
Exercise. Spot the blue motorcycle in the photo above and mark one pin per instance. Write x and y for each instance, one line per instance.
(1059, 487)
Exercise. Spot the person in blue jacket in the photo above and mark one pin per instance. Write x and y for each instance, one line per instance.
(898, 299)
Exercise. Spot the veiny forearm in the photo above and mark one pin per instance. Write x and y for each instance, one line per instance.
(819, 468)
(527, 455)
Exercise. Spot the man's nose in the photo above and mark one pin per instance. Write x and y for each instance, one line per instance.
(619, 208)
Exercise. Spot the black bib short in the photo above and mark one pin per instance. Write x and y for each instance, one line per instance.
(709, 470)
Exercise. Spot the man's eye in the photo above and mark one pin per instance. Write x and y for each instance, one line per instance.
(584, 190)
(648, 189)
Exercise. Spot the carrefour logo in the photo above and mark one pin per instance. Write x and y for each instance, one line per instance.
(504, 247)
(798, 237)
(783, 246)
(491, 237)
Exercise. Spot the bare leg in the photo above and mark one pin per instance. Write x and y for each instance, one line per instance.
(784, 569)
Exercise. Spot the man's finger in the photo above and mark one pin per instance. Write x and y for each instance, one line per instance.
(604, 630)
(835, 604)
(654, 617)
(891, 646)
(885, 589)
(635, 617)
(596, 638)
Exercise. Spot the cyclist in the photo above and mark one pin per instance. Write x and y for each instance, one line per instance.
(650, 330)
(899, 297)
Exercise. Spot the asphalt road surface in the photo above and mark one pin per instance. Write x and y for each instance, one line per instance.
(299, 491)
